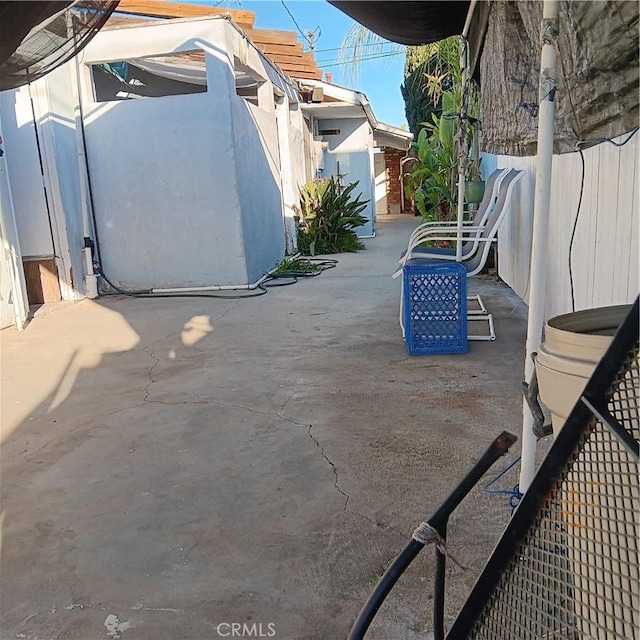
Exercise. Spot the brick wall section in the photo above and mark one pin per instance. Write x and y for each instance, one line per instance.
(392, 159)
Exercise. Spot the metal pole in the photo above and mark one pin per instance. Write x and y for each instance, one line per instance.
(467, 22)
(439, 588)
(463, 156)
(538, 269)
(438, 522)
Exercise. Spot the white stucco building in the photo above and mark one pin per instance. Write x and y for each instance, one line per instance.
(175, 145)
(346, 133)
(175, 151)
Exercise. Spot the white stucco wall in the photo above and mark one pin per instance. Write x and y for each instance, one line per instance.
(13, 301)
(7, 313)
(26, 178)
(258, 175)
(55, 107)
(46, 196)
(187, 188)
(352, 148)
(605, 254)
(291, 132)
(381, 187)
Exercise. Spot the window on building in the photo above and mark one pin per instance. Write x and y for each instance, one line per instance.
(153, 77)
(249, 83)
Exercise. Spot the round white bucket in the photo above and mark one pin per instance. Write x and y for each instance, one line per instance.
(574, 344)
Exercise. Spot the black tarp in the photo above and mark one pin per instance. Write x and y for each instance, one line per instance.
(37, 37)
(598, 70)
(410, 23)
(18, 18)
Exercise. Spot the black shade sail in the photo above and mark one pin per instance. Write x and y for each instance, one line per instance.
(37, 37)
(411, 23)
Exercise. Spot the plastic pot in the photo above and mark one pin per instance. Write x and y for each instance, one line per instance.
(574, 344)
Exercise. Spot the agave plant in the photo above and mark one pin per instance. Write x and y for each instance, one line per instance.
(328, 217)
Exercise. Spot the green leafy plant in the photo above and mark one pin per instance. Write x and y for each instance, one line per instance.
(433, 176)
(328, 216)
(433, 180)
(295, 266)
(429, 71)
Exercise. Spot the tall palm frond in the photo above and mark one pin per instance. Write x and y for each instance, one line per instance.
(361, 45)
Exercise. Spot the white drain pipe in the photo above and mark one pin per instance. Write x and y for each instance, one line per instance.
(90, 277)
(538, 269)
(223, 287)
(215, 287)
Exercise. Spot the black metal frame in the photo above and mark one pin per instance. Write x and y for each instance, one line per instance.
(437, 523)
(593, 402)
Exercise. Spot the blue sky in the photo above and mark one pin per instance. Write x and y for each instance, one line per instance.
(379, 79)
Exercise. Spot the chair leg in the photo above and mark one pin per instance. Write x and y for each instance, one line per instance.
(472, 314)
(487, 318)
(477, 312)
(402, 309)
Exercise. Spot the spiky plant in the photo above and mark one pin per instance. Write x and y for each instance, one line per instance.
(328, 217)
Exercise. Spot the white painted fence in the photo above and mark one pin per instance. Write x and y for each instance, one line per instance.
(604, 258)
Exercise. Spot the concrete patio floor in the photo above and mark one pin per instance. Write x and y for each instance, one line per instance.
(171, 466)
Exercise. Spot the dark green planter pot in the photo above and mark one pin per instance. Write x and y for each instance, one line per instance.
(474, 191)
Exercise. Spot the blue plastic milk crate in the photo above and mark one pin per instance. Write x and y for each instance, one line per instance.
(435, 307)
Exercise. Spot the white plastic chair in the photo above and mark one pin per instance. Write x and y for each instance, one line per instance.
(479, 218)
(481, 236)
(472, 231)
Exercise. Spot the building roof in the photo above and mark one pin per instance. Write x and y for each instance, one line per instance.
(340, 102)
(281, 47)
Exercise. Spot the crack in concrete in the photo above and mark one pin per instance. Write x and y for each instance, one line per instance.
(150, 376)
(224, 313)
(347, 497)
(278, 413)
(145, 399)
(336, 481)
(152, 381)
(27, 456)
(177, 332)
(282, 408)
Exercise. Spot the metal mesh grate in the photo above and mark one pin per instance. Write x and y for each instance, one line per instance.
(435, 308)
(624, 403)
(575, 573)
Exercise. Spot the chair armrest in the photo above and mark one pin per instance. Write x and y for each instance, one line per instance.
(452, 236)
(465, 230)
(426, 227)
(441, 223)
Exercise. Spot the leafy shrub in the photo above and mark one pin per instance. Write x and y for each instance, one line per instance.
(328, 217)
(432, 182)
(432, 179)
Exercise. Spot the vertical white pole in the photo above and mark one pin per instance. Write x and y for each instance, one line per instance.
(538, 269)
(90, 278)
(463, 154)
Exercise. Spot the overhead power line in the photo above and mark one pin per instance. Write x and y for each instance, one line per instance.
(300, 31)
(328, 63)
(362, 46)
(368, 56)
